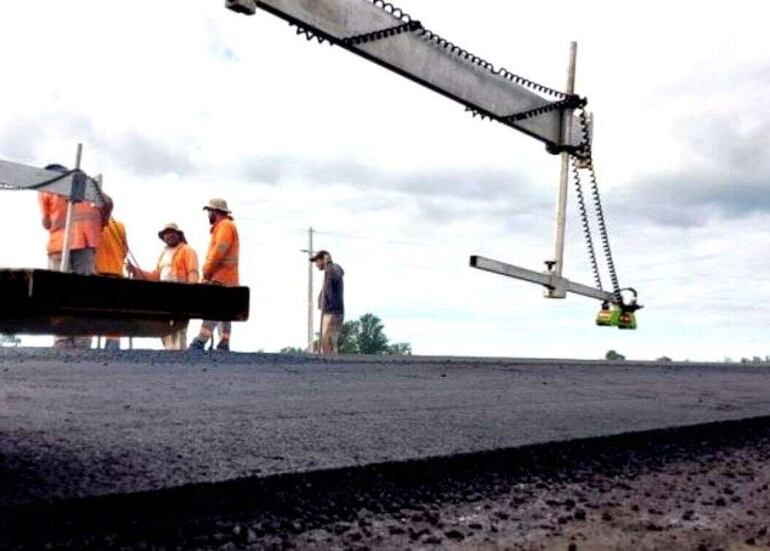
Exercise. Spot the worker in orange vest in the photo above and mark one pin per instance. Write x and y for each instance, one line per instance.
(220, 268)
(111, 257)
(178, 263)
(87, 222)
(113, 248)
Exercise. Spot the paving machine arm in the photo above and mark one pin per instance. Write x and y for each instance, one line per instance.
(385, 35)
(381, 33)
(73, 184)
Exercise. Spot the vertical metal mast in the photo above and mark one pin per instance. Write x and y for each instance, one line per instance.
(65, 254)
(556, 266)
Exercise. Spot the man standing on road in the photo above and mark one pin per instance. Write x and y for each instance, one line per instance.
(331, 302)
(220, 268)
(177, 263)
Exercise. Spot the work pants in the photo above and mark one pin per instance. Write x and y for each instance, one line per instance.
(331, 328)
(176, 340)
(207, 330)
(112, 344)
(81, 262)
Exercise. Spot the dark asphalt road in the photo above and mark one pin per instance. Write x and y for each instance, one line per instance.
(96, 424)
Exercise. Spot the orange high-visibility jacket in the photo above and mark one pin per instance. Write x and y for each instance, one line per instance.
(222, 259)
(87, 222)
(184, 266)
(112, 251)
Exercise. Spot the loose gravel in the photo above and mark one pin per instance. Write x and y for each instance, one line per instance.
(703, 488)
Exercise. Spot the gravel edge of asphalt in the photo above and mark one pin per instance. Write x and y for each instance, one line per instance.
(299, 502)
(153, 357)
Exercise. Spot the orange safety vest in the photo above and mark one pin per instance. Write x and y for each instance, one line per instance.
(87, 224)
(184, 265)
(112, 251)
(54, 210)
(222, 259)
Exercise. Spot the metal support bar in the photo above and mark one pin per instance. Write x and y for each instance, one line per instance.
(65, 255)
(557, 266)
(549, 280)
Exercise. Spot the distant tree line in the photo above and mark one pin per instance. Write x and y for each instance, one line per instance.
(366, 335)
(614, 356)
(753, 360)
(10, 340)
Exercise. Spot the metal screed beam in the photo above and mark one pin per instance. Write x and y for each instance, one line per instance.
(391, 39)
(549, 280)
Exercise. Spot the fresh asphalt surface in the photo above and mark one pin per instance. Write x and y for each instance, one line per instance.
(94, 424)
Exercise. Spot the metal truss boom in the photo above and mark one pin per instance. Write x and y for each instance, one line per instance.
(388, 37)
(74, 185)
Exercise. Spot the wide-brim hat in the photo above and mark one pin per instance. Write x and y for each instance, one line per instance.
(171, 227)
(218, 205)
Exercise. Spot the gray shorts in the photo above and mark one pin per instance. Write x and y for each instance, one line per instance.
(82, 261)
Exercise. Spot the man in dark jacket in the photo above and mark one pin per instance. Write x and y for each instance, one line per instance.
(331, 302)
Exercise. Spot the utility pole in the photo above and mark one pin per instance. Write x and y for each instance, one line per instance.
(556, 266)
(310, 252)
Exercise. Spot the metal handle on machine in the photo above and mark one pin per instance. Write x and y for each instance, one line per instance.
(65, 253)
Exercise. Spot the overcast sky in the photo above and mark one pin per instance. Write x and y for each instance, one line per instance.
(177, 102)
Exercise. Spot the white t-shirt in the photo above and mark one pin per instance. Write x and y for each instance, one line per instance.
(165, 265)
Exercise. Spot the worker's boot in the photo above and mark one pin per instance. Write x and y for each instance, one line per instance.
(197, 344)
(224, 345)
